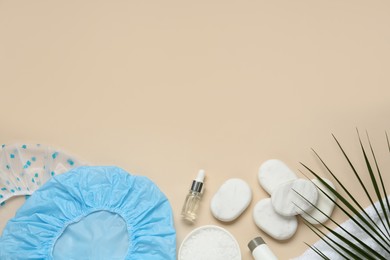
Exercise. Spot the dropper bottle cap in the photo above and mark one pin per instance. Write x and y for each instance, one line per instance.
(197, 184)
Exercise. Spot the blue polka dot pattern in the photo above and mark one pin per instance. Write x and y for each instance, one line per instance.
(28, 163)
(54, 155)
(70, 162)
(26, 167)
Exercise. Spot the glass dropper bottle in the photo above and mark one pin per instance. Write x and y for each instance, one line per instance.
(191, 203)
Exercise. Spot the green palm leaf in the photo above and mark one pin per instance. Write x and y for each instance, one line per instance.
(365, 248)
(351, 246)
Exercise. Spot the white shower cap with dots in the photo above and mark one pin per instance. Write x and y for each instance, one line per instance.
(26, 167)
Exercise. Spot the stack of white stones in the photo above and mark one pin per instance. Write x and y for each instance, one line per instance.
(277, 215)
(290, 196)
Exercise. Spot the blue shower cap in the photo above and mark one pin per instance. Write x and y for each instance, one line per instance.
(92, 213)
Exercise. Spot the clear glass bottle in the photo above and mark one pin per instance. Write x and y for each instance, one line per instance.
(191, 203)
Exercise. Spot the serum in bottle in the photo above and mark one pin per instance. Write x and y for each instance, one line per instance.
(192, 201)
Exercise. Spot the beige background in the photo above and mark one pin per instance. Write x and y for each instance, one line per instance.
(164, 88)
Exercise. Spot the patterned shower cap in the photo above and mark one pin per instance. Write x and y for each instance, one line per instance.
(24, 168)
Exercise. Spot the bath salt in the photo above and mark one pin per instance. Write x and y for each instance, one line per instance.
(209, 243)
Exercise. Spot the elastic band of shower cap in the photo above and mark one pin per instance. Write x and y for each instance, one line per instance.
(93, 213)
(26, 167)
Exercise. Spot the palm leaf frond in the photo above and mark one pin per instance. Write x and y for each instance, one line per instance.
(348, 245)
(370, 251)
(379, 196)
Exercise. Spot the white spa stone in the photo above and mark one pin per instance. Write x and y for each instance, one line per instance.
(275, 225)
(231, 199)
(287, 201)
(323, 203)
(272, 173)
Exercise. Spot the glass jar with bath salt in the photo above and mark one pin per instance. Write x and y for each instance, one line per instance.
(260, 250)
(209, 242)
